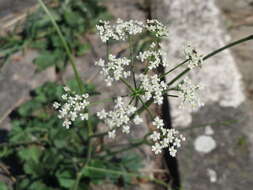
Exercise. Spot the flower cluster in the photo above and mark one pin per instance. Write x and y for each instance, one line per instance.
(165, 138)
(119, 117)
(119, 31)
(73, 108)
(114, 69)
(153, 87)
(188, 94)
(157, 27)
(153, 56)
(195, 59)
(122, 29)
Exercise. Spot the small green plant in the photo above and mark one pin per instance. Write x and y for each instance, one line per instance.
(75, 20)
(49, 156)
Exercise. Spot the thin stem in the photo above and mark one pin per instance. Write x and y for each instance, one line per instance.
(174, 68)
(146, 108)
(149, 102)
(132, 61)
(131, 146)
(103, 170)
(127, 84)
(65, 45)
(250, 37)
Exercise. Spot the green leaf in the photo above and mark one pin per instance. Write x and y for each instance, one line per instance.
(72, 18)
(3, 186)
(45, 60)
(31, 153)
(28, 108)
(39, 186)
(66, 179)
(82, 49)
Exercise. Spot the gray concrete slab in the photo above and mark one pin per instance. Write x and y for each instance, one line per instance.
(229, 164)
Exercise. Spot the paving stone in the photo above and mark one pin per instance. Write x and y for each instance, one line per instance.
(17, 79)
(231, 162)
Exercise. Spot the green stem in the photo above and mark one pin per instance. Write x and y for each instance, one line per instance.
(65, 45)
(174, 68)
(131, 146)
(250, 37)
(127, 84)
(146, 108)
(104, 170)
(132, 61)
(149, 102)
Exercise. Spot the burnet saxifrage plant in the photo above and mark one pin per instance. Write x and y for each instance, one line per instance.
(144, 85)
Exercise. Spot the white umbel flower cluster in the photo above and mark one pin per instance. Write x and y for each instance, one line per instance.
(119, 117)
(114, 69)
(157, 27)
(165, 138)
(73, 108)
(195, 59)
(155, 57)
(153, 87)
(188, 93)
(122, 29)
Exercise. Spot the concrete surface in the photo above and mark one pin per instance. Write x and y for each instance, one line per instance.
(231, 162)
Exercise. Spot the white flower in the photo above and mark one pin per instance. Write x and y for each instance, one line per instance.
(137, 120)
(165, 138)
(155, 136)
(73, 107)
(187, 92)
(156, 148)
(66, 123)
(56, 105)
(158, 28)
(153, 87)
(120, 30)
(172, 151)
(102, 114)
(195, 59)
(112, 134)
(66, 89)
(153, 57)
(64, 97)
(119, 117)
(158, 122)
(114, 69)
(126, 129)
